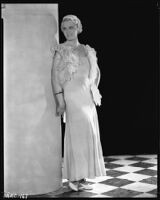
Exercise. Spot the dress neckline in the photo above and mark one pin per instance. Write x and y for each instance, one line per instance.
(71, 46)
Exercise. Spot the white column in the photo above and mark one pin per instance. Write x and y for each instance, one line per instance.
(32, 132)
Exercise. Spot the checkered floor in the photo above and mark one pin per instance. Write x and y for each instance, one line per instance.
(126, 176)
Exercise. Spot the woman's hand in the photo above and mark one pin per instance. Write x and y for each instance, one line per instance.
(60, 109)
(96, 95)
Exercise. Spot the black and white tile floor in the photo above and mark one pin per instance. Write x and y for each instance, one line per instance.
(126, 176)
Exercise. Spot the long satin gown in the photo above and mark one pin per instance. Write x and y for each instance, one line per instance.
(83, 156)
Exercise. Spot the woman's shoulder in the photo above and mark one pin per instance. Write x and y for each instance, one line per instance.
(58, 49)
(90, 49)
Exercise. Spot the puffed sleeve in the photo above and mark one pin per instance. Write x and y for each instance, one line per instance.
(94, 75)
(92, 55)
(91, 51)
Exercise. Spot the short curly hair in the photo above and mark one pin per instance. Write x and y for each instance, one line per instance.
(74, 19)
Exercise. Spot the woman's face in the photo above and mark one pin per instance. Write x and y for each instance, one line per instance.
(70, 30)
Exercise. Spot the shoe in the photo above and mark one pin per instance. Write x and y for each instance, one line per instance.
(85, 186)
(82, 180)
(73, 186)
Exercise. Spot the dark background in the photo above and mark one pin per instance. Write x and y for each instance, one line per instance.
(125, 36)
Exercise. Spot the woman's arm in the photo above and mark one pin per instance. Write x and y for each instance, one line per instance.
(56, 87)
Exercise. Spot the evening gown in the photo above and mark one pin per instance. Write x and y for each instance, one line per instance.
(83, 155)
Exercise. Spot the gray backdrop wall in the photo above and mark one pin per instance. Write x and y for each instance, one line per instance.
(32, 132)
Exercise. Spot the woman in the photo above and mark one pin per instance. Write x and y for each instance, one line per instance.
(75, 79)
